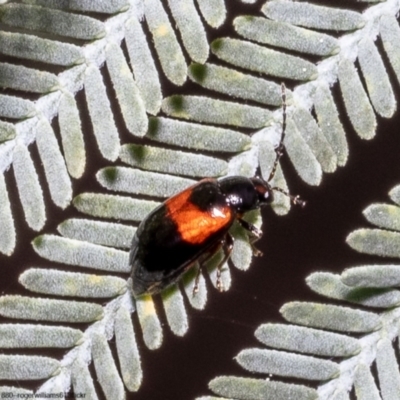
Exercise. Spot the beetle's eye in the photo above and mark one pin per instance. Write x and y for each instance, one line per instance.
(265, 194)
(268, 196)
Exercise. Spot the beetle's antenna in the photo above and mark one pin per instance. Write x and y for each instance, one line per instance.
(279, 149)
(296, 200)
(279, 153)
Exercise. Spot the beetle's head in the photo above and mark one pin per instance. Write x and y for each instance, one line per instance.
(245, 194)
(264, 191)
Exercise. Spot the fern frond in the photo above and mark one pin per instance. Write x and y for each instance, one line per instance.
(312, 330)
(71, 38)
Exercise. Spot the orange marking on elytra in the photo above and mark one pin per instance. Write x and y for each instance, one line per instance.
(195, 225)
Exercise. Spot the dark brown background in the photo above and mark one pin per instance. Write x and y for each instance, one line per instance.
(306, 240)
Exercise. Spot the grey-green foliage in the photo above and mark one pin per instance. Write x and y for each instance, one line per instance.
(14, 367)
(106, 369)
(317, 332)
(217, 121)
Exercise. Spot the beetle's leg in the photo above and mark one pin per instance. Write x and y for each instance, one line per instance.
(250, 227)
(201, 262)
(227, 246)
(256, 252)
(256, 234)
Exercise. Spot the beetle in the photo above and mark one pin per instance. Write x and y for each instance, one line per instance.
(194, 224)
